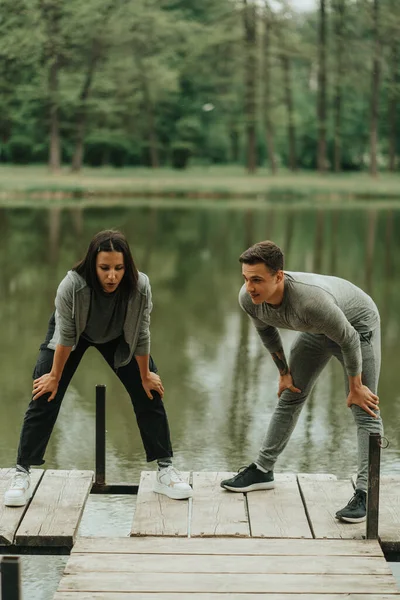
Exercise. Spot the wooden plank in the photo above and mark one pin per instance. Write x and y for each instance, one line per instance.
(157, 514)
(170, 563)
(389, 510)
(11, 516)
(215, 511)
(324, 495)
(278, 512)
(235, 583)
(56, 509)
(179, 596)
(248, 546)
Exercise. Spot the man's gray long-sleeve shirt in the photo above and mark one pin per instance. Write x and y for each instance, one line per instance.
(318, 304)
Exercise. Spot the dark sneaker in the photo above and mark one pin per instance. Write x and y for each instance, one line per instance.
(249, 479)
(356, 509)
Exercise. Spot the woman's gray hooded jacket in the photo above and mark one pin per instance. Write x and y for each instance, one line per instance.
(72, 310)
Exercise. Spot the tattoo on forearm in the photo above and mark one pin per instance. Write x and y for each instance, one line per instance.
(280, 361)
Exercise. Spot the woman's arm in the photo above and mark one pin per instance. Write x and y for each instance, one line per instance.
(150, 380)
(48, 383)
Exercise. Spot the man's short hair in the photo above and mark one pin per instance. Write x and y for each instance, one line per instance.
(264, 252)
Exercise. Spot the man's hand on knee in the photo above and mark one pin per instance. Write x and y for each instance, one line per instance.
(286, 383)
(365, 399)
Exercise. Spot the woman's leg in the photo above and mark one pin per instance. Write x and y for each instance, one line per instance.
(153, 425)
(41, 415)
(150, 414)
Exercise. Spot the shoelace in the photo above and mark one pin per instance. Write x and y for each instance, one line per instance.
(356, 501)
(174, 475)
(242, 471)
(18, 481)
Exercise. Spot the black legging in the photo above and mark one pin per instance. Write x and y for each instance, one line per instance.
(41, 415)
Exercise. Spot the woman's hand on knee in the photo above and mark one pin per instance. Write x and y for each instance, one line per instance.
(46, 384)
(153, 382)
(286, 383)
(365, 399)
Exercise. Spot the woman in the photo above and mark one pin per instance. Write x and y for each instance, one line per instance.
(106, 303)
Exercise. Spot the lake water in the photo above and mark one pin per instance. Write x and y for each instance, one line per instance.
(220, 384)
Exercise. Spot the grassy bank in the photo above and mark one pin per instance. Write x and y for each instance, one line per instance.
(197, 182)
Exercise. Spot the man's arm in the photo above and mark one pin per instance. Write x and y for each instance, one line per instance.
(331, 321)
(271, 339)
(362, 396)
(285, 377)
(279, 359)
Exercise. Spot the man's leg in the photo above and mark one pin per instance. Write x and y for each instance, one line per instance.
(371, 364)
(308, 356)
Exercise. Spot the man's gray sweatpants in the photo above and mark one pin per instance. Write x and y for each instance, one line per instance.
(309, 355)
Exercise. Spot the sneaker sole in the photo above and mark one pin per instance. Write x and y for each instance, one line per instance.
(352, 519)
(17, 501)
(171, 493)
(251, 488)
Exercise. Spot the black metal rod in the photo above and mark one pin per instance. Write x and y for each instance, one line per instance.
(115, 488)
(10, 578)
(100, 477)
(374, 464)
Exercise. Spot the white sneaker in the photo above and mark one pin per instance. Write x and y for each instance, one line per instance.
(170, 483)
(19, 491)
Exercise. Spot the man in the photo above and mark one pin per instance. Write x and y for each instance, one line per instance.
(334, 318)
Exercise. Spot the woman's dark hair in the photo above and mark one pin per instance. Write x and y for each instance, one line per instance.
(109, 240)
(264, 252)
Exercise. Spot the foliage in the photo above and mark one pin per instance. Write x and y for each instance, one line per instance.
(143, 74)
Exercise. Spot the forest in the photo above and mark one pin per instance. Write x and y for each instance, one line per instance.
(177, 82)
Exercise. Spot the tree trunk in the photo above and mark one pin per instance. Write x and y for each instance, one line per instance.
(234, 139)
(339, 7)
(321, 107)
(269, 130)
(51, 11)
(82, 111)
(149, 111)
(375, 93)
(287, 85)
(55, 152)
(77, 158)
(250, 37)
(394, 78)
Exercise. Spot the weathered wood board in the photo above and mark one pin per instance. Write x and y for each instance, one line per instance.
(278, 513)
(11, 516)
(324, 495)
(215, 511)
(156, 514)
(55, 512)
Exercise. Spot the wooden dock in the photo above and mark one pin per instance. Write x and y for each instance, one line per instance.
(281, 544)
(219, 568)
(52, 516)
(300, 506)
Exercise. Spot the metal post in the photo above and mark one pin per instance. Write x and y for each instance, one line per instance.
(10, 578)
(374, 462)
(100, 435)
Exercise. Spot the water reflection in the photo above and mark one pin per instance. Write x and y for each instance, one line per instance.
(220, 383)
